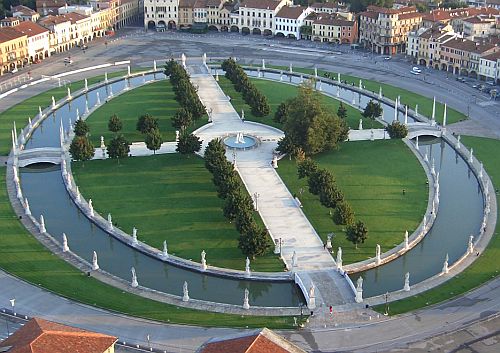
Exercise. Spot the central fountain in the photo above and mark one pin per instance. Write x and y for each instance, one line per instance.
(240, 141)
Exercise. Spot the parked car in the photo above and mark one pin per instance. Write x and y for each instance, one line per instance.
(84, 47)
(415, 72)
(477, 85)
(68, 60)
(14, 70)
(416, 69)
(387, 58)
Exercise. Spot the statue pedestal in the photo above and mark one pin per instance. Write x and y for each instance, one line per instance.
(312, 303)
(359, 296)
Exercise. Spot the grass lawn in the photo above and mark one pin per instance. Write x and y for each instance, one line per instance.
(29, 108)
(157, 99)
(168, 197)
(407, 97)
(486, 266)
(372, 175)
(22, 255)
(277, 93)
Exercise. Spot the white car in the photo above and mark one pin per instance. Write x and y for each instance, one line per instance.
(68, 61)
(416, 69)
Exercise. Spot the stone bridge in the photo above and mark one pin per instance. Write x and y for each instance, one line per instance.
(39, 155)
(423, 129)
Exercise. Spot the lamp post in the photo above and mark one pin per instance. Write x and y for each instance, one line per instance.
(386, 297)
(149, 341)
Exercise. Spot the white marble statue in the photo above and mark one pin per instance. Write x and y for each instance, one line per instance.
(95, 265)
(406, 287)
(134, 283)
(185, 292)
(339, 259)
(246, 304)
(65, 247)
(165, 250)
(203, 260)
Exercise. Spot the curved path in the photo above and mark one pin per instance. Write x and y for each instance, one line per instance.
(375, 335)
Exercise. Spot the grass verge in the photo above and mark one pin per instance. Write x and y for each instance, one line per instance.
(486, 267)
(277, 93)
(168, 197)
(23, 256)
(372, 175)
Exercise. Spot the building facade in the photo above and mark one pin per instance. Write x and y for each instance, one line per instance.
(13, 49)
(161, 14)
(289, 21)
(489, 67)
(334, 29)
(38, 40)
(385, 31)
(257, 16)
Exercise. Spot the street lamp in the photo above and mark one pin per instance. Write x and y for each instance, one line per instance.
(234, 158)
(386, 296)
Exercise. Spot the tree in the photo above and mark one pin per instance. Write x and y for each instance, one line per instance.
(115, 124)
(81, 128)
(319, 180)
(182, 119)
(281, 113)
(215, 154)
(81, 149)
(146, 123)
(306, 168)
(343, 213)
(397, 130)
(236, 203)
(118, 148)
(356, 233)
(226, 181)
(244, 222)
(342, 111)
(330, 195)
(306, 30)
(310, 126)
(254, 242)
(153, 140)
(373, 110)
(287, 146)
(188, 144)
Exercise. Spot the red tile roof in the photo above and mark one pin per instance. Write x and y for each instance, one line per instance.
(8, 33)
(264, 341)
(445, 15)
(260, 4)
(290, 12)
(74, 17)
(41, 336)
(492, 57)
(53, 20)
(334, 21)
(30, 28)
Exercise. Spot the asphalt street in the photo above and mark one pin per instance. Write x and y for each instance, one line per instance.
(428, 329)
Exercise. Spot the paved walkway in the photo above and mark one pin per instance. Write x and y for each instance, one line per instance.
(281, 214)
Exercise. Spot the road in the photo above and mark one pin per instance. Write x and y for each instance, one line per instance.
(410, 332)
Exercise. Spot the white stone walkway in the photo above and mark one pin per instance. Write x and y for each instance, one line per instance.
(282, 216)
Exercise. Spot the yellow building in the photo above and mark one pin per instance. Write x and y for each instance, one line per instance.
(13, 49)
